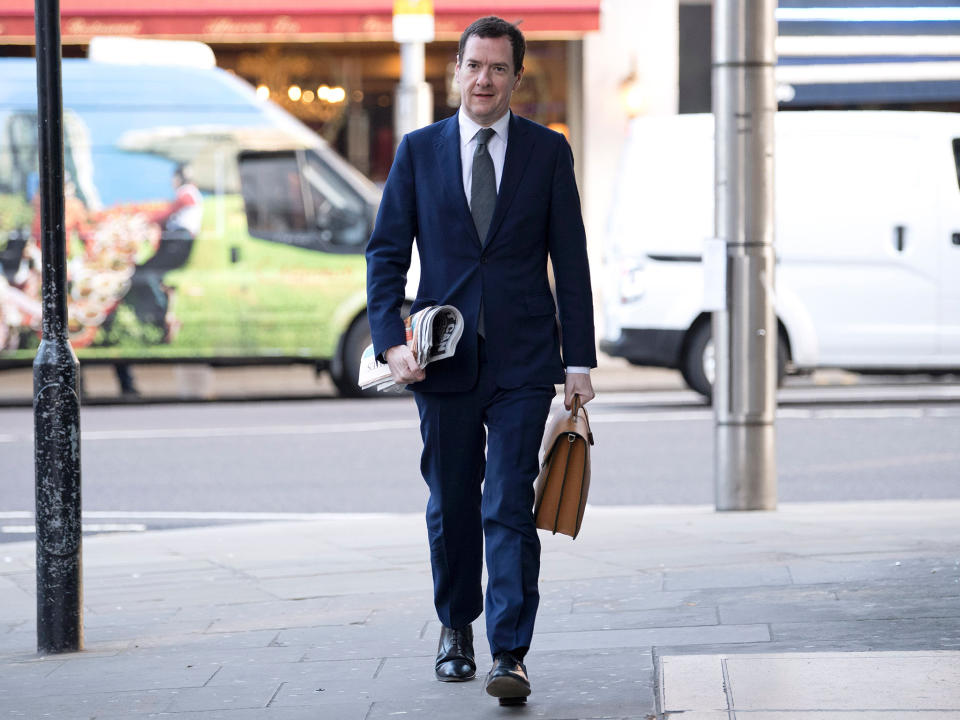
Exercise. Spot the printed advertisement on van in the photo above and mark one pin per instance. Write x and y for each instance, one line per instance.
(202, 223)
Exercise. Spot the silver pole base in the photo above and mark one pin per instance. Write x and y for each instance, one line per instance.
(746, 467)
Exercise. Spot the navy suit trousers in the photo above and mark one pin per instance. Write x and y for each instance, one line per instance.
(474, 498)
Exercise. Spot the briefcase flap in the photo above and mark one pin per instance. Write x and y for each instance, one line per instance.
(564, 479)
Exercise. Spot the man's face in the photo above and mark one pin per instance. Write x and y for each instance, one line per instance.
(487, 78)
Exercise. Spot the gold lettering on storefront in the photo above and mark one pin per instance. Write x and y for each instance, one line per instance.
(82, 26)
(228, 26)
(373, 24)
(285, 24)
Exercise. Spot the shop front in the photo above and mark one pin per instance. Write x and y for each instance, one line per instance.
(335, 65)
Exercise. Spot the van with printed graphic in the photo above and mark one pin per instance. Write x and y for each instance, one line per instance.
(203, 223)
(867, 241)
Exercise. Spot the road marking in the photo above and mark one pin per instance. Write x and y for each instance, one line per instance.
(85, 527)
(817, 394)
(879, 413)
(203, 516)
(256, 431)
(870, 413)
(638, 416)
(647, 417)
(883, 463)
(325, 429)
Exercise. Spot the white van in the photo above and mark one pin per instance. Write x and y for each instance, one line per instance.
(867, 243)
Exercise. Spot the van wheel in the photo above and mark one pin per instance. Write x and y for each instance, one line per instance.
(358, 337)
(698, 365)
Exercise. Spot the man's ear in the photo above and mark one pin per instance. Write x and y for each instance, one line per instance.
(516, 83)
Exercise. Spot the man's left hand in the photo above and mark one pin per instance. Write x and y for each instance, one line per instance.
(577, 384)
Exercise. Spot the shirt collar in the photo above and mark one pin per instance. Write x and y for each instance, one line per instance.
(468, 128)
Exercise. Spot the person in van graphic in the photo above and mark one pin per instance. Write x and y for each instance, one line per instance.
(180, 224)
(185, 214)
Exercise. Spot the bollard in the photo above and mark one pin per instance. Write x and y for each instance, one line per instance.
(56, 403)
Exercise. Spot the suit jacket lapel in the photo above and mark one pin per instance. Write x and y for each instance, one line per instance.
(519, 146)
(451, 172)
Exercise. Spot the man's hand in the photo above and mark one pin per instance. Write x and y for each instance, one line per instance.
(577, 384)
(403, 366)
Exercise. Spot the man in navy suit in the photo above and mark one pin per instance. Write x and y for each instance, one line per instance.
(488, 196)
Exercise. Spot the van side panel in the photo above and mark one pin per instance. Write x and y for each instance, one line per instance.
(855, 240)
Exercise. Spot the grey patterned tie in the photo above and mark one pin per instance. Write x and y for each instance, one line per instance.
(483, 190)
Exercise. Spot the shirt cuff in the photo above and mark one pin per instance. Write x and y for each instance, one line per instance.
(578, 369)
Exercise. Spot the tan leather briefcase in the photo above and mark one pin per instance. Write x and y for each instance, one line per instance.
(564, 480)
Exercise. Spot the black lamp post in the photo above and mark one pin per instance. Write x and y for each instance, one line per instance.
(56, 402)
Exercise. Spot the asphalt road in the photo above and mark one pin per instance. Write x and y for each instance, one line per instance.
(185, 464)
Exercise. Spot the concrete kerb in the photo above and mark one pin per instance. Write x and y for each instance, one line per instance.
(334, 615)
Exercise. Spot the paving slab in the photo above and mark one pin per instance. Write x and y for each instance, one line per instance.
(900, 634)
(846, 681)
(282, 615)
(349, 582)
(681, 616)
(797, 605)
(112, 705)
(251, 696)
(727, 576)
(889, 569)
(692, 684)
(649, 637)
(811, 685)
(845, 715)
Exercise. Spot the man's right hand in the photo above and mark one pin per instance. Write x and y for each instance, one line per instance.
(403, 366)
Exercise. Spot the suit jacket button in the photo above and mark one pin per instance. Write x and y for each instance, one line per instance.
(483, 260)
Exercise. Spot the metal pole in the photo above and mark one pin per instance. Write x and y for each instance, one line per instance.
(56, 403)
(414, 98)
(745, 332)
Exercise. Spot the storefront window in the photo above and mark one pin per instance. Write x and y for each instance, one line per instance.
(346, 91)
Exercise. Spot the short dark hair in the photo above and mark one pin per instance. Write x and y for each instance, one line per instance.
(494, 27)
(182, 173)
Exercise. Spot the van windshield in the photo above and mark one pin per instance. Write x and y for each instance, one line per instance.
(337, 207)
(956, 158)
(295, 197)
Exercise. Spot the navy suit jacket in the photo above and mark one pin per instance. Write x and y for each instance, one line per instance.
(537, 213)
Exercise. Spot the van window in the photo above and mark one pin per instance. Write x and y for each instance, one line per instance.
(296, 198)
(273, 197)
(956, 157)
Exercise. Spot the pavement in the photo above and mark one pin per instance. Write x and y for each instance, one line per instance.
(827, 611)
(176, 383)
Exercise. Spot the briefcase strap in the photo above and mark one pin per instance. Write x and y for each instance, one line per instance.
(575, 408)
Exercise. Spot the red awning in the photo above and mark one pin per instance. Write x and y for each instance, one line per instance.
(286, 20)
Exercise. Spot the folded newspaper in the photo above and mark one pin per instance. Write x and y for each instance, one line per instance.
(432, 334)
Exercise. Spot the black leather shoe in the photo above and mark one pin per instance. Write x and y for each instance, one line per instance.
(507, 680)
(455, 661)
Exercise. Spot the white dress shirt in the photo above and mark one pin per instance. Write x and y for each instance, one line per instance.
(497, 147)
